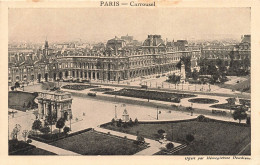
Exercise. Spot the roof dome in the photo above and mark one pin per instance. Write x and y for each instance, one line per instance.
(153, 40)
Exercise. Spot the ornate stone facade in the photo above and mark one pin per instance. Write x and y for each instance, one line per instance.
(57, 104)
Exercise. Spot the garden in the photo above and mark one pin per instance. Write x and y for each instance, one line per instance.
(78, 87)
(153, 95)
(209, 137)
(230, 105)
(97, 143)
(22, 101)
(203, 101)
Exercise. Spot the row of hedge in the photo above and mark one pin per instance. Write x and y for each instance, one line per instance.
(36, 137)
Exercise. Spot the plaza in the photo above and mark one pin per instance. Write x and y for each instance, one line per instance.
(91, 112)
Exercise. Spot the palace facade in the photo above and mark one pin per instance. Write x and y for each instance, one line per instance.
(238, 52)
(118, 59)
(120, 62)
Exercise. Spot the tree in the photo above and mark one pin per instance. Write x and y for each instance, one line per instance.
(195, 74)
(66, 130)
(140, 139)
(222, 68)
(160, 131)
(37, 125)
(16, 131)
(231, 101)
(131, 123)
(113, 121)
(17, 85)
(174, 79)
(119, 123)
(239, 115)
(25, 134)
(136, 121)
(45, 129)
(203, 66)
(60, 124)
(189, 137)
(169, 146)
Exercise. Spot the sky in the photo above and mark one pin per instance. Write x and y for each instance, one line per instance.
(101, 24)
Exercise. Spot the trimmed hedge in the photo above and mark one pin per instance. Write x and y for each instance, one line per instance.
(42, 139)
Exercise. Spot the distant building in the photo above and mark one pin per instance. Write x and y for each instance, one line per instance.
(127, 38)
(115, 44)
(237, 52)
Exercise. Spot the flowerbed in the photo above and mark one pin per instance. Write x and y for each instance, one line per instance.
(203, 101)
(153, 95)
(78, 87)
(102, 89)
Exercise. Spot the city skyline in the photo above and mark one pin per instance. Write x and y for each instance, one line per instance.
(98, 25)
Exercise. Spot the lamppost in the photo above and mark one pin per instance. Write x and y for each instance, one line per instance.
(191, 109)
(115, 113)
(157, 113)
(70, 121)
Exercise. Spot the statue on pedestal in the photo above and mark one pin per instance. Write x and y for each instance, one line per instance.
(183, 73)
(125, 116)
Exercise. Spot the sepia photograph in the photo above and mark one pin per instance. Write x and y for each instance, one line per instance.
(141, 81)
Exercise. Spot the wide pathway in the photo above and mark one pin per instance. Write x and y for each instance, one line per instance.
(56, 150)
(204, 109)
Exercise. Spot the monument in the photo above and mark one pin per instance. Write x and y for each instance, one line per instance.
(57, 104)
(183, 73)
(125, 116)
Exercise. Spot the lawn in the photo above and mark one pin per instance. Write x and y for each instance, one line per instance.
(15, 146)
(211, 138)
(243, 86)
(153, 95)
(21, 100)
(96, 143)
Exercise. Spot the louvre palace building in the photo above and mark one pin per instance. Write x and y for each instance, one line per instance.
(121, 62)
(116, 60)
